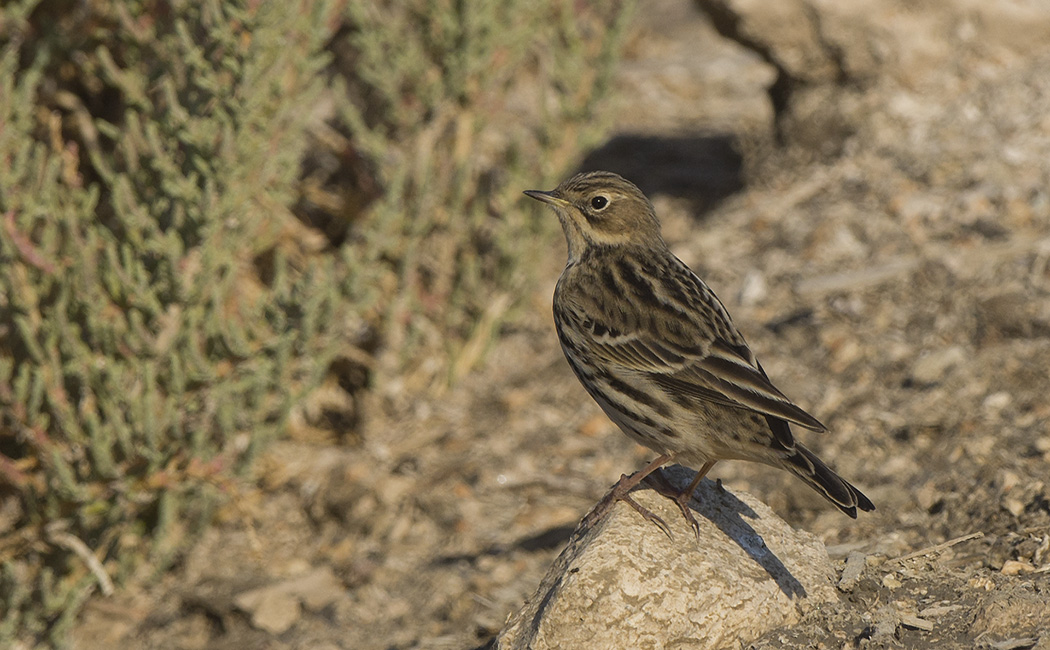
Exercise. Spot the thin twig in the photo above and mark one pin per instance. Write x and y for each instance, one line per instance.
(81, 550)
(937, 548)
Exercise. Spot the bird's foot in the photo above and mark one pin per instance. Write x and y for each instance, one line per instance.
(662, 485)
(648, 515)
(621, 492)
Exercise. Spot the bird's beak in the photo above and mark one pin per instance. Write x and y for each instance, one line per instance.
(546, 197)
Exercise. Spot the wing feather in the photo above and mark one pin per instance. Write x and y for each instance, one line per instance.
(689, 365)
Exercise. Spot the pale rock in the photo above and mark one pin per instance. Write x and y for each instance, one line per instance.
(623, 583)
(277, 607)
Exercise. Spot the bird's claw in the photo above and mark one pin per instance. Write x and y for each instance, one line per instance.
(649, 516)
(662, 485)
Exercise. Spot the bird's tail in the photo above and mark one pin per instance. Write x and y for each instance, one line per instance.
(805, 465)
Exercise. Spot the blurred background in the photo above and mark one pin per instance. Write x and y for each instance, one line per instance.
(277, 366)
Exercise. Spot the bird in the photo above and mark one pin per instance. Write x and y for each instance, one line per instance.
(657, 350)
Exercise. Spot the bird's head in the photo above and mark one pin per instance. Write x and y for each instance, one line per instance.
(602, 209)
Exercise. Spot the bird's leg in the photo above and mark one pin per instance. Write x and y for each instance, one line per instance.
(619, 492)
(683, 497)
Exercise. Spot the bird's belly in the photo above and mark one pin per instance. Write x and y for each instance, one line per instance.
(693, 437)
(646, 433)
(693, 432)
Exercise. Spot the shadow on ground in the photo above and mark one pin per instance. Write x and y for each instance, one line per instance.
(703, 169)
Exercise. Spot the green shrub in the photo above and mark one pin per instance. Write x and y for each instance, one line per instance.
(146, 161)
(162, 307)
(458, 107)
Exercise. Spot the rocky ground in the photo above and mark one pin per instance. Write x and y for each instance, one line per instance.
(880, 229)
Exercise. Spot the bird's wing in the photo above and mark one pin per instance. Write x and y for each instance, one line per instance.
(688, 363)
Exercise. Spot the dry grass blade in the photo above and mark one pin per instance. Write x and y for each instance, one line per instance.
(937, 548)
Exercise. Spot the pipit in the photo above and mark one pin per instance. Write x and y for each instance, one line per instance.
(658, 352)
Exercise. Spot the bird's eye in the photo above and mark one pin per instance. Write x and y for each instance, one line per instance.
(599, 202)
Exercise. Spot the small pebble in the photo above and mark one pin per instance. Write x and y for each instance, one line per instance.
(912, 621)
(1013, 567)
(852, 572)
(939, 610)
